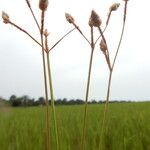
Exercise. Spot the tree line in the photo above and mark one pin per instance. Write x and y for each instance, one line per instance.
(26, 101)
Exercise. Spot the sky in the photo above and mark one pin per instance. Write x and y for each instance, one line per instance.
(21, 60)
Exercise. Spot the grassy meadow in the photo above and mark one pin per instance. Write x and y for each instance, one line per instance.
(128, 127)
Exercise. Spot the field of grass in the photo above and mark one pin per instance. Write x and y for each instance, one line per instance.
(128, 127)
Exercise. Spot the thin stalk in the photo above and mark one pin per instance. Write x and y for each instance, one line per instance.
(28, 3)
(105, 109)
(52, 101)
(45, 83)
(13, 24)
(61, 39)
(106, 53)
(100, 35)
(81, 33)
(110, 76)
(87, 91)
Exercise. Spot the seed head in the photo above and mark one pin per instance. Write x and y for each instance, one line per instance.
(114, 7)
(69, 18)
(46, 33)
(94, 19)
(43, 4)
(103, 46)
(5, 17)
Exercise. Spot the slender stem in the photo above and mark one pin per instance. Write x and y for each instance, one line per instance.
(13, 24)
(87, 91)
(100, 35)
(106, 53)
(81, 33)
(52, 101)
(105, 109)
(61, 39)
(110, 76)
(28, 3)
(45, 83)
(122, 32)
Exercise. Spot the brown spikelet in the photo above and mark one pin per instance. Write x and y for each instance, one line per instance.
(69, 18)
(103, 46)
(43, 4)
(46, 33)
(114, 7)
(5, 17)
(94, 19)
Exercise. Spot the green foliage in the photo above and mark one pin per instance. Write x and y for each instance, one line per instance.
(127, 127)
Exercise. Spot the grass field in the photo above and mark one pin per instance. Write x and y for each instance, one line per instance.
(128, 127)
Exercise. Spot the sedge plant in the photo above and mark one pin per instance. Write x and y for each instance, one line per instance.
(43, 4)
(94, 21)
(104, 49)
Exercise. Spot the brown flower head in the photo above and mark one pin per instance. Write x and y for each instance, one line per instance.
(46, 34)
(5, 17)
(69, 18)
(43, 4)
(114, 7)
(103, 46)
(94, 19)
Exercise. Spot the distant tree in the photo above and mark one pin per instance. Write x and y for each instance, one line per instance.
(93, 102)
(25, 99)
(41, 101)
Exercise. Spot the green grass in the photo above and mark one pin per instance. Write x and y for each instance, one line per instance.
(128, 127)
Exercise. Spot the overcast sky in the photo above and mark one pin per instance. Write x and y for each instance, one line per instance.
(21, 60)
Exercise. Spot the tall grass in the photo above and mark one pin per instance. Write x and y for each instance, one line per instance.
(28, 132)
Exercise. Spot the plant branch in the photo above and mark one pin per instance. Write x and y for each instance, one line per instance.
(52, 101)
(21, 29)
(45, 82)
(31, 10)
(51, 90)
(61, 39)
(110, 75)
(106, 53)
(81, 33)
(100, 35)
(87, 90)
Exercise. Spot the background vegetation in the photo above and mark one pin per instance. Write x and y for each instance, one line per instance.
(127, 127)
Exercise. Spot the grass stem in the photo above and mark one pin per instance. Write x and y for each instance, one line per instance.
(52, 102)
(110, 78)
(87, 91)
(45, 83)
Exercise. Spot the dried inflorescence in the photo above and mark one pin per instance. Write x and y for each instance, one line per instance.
(5, 17)
(46, 33)
(43, 4)
(114, 7)
(94, 19)
(103, 46)
(69, 18)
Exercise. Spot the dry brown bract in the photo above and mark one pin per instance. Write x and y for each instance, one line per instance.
(114, 7)
(43, 4)
(69, 18)
(5, 17)
(94, 20)
(103, 46)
